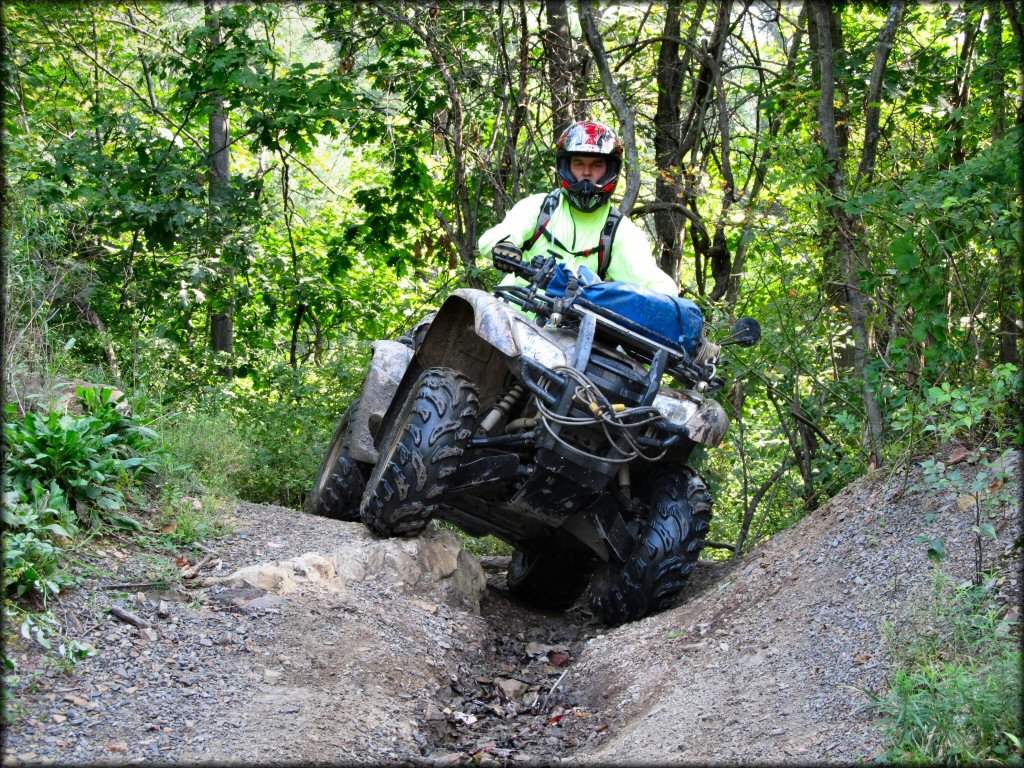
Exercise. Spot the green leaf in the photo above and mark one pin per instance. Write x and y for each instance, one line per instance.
(904, 253)
(937, 551)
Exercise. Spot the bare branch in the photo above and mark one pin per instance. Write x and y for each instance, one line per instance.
(622, 109)
(158, 112)
(664, 205)
(886, 40)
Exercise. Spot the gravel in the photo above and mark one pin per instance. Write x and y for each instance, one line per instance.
(770, 658)
(765, 659)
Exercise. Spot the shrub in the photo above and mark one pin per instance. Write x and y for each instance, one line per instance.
(970, 413)
(91, 458)
(955, 693)
(62, 472)
(211, 445)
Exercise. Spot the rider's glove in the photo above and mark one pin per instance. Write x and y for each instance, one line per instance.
(506, 250)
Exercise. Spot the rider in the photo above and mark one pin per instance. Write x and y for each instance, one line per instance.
(589, 158)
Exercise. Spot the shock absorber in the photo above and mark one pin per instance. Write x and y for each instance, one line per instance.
(501, 408)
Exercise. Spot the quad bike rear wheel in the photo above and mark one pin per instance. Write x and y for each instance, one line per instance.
(341, 479)
(548, 577)
(422, 449)
(666, 551)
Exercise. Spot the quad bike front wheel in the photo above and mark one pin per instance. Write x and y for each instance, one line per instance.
(341, 479)
(421, 450)
(548, 576)
(668, 547)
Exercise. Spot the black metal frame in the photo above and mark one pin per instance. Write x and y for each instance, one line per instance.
(571, 310)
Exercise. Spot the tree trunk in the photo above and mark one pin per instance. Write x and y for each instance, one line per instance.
(872, 131)
(622, 109)
(755, 502)
(847, 240)
(721, 259)
(222, 333)
(693, 127)
(669, 224)
(558, 52)
(1009, 287)
(761, 171)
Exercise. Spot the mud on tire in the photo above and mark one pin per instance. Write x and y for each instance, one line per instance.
(341, 479)
(665, 553)
(548, 577)
(421, 450)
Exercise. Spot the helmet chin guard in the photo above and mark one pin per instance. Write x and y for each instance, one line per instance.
(588, 138)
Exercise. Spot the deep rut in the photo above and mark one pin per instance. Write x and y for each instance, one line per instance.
(513, 698)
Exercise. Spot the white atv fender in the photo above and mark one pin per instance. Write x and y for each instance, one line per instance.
(474, 333)
(387, 366)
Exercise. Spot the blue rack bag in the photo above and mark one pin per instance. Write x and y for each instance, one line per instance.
(669, 320)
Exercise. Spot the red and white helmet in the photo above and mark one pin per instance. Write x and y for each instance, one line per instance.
(588, 138)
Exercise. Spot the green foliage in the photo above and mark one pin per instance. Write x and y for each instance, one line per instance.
(978, 413)
(186, 519)
(31, 564)
(262, 438)
(983, 490)
(44, 630)
(954, 696)
(348, 151)
(64, 472)
(90, 458)
(480, 546)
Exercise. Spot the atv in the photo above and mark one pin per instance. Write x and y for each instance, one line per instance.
(537, 414)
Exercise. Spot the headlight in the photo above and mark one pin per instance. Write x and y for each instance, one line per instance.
(676, 407)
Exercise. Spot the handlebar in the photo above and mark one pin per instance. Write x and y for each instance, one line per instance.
(539, 271)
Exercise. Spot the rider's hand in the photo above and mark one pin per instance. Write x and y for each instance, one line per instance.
(506, 250)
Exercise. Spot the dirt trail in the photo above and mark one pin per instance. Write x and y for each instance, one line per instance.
(340, 647)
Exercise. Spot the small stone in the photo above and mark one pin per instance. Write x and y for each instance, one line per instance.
(424, 605)
(558, 658)
(510, 689)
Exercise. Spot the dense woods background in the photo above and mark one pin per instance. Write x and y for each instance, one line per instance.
(216, 207)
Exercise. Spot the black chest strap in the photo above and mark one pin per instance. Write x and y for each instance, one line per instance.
(604, 246)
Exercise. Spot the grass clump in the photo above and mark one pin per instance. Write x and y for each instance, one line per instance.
(955, 693)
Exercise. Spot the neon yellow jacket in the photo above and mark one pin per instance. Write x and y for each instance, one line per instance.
(632, 260)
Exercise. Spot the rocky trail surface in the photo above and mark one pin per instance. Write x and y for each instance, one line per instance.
(296, 639)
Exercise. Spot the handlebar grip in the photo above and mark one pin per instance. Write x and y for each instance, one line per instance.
(505, 263)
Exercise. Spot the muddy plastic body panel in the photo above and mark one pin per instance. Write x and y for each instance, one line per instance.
(387, 366)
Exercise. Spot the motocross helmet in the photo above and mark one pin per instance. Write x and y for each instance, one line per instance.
(588, 137)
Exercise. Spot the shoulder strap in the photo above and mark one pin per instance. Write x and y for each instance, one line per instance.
(604, 249)
(546, 209)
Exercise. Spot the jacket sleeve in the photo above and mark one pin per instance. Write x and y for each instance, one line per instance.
(633, 260)
(518, 225)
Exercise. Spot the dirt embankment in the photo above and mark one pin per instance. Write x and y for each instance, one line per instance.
(304, 639)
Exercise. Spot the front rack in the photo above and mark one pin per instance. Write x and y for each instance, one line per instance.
(569, 310)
